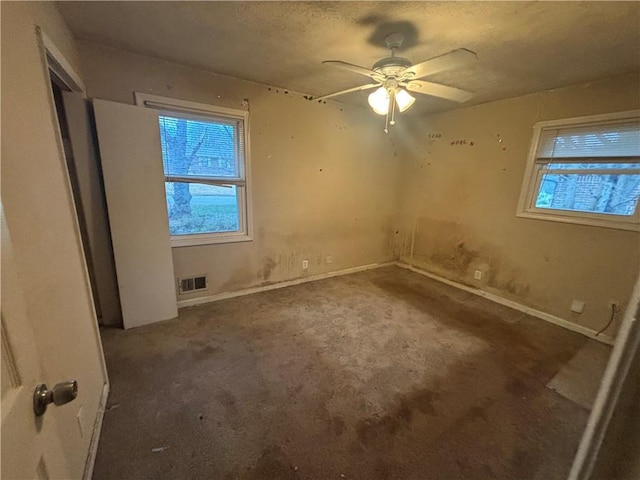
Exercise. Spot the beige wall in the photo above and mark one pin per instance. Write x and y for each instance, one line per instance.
(323, 175)
(37, 202)
(461, 202)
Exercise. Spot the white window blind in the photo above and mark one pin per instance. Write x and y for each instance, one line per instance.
(595, 141)
(211, 149)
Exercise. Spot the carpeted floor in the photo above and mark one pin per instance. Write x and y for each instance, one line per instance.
(384, 374)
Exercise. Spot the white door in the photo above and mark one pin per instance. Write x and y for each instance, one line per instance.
(129, 143)
(31, 446)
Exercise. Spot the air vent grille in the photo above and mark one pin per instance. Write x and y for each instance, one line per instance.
(192, 284)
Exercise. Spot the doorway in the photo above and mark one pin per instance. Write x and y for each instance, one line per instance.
(77, 132)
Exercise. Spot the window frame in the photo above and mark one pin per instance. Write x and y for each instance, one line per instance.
(200, 111)
(534, 173)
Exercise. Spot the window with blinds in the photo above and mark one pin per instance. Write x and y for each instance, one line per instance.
(586, 171)
(204, 156)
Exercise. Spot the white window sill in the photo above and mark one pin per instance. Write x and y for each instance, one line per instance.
(207, 239)
(557, 216)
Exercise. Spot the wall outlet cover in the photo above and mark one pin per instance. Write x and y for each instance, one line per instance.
(477, 275)
(577, 306)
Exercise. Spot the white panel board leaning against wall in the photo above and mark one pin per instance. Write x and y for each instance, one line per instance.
(131, 156)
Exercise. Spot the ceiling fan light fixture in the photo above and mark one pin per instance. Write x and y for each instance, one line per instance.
(379, 101)
(405, 100)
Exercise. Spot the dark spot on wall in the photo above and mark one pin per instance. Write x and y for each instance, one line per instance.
(320, 169)
(268, 265)
(456, 260)
(511, 284)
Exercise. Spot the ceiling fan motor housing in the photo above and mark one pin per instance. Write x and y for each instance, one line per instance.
(391, 66)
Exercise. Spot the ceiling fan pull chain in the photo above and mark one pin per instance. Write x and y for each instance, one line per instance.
(392, 99)
(386, 122)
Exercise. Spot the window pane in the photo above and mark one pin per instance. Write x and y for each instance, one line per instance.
(606, 194)
(198, 208)
(198, 147)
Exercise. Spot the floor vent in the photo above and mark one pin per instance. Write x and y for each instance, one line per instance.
(192, 284)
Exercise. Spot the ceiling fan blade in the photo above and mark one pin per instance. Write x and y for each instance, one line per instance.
(453, 59)
(438, 90)
(342, 92)
(355, 68)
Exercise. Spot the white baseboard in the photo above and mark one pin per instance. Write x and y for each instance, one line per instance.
(248, 291)
(561, 322)
(95, 435)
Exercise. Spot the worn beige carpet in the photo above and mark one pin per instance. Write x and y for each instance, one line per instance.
(383, 374)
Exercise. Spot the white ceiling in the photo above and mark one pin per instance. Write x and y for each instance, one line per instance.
(522, 47)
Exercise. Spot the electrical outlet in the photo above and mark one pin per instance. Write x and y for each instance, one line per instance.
(614, 304)
(329, 259)
(577, 306)
(477, 275)
(305, 264)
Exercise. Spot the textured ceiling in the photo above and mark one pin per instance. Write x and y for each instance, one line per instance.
(522, 47)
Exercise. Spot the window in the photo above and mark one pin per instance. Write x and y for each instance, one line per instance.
(205, 160)
(585, 170)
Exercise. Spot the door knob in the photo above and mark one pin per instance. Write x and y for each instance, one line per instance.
(62, 393)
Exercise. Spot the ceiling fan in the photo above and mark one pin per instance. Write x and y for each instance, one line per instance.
(395, 77)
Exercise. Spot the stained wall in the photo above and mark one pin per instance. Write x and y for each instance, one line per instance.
(324, 176)
(462, 173)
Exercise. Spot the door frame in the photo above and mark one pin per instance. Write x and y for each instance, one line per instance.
(53, 59)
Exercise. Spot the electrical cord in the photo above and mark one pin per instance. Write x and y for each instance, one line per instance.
(613, 314)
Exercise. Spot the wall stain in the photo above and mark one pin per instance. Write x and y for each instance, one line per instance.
(443, 247)
(268, 265)
(456, 259)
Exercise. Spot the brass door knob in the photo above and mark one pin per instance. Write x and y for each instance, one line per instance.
(62, 393)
